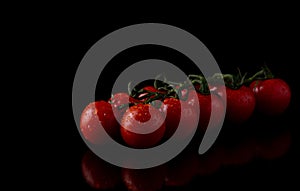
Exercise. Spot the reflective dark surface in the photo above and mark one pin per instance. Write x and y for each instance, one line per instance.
(247, 156)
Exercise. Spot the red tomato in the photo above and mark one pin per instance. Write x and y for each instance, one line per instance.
(150, 179)
(121, 100)
(146, 119)
(189, 119)
(98, 173)
(98, 115)
(206, 104)
(150, 89)
(272, 95)
(219, 90)
(172, 109)
(240, 104)
(184, 91)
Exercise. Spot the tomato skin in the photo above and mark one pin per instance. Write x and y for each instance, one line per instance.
(184, 91)
(189, 119)
(173, 108)
(98, 115)
(240, 104)
(139, 117)
(205, 107)
(219, 90)
(272, 96)
(120, 99)
(150, 89)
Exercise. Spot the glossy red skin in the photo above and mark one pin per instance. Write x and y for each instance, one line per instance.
(98, 115)
(185, 91)
(272, 96)
(119, 99)
(150, 89)
(98, 173)
(138, 116)
(172, 109)
(205, 108)
(240, 104)
(151, 179)
(219, 90)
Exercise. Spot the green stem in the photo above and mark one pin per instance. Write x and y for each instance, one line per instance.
(263, 74)
(267, 72)
(254, 77)
(194, 76)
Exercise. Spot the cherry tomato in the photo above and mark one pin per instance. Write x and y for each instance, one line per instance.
(98, 173)
(219, 90)
(98, 115)
(272, 95)
(143, 96)
(189, 119)
(184, 91)
(120, 102)
(172, 108)
(240, 104)
(146, 119)
(206, 103)
(151, 89)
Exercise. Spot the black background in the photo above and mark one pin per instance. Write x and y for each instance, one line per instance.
(246, 42)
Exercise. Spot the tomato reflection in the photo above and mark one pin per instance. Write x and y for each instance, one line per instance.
(240, 153)
(211, 161)
(182, 170)
(98, 173)
(151, 179)
(188, 166)
(275, 146)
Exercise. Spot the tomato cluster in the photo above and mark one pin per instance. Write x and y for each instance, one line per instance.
(136, 120)
(149, 115)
